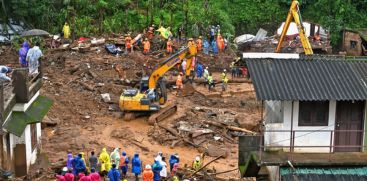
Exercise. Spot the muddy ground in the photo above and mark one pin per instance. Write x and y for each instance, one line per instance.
(75, 82)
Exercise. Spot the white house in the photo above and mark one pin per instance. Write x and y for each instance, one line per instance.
(314, 105)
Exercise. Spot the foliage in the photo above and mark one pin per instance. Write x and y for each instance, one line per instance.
(89, 17)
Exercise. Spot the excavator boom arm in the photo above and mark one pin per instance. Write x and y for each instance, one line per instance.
(295, 14)
(187, 52)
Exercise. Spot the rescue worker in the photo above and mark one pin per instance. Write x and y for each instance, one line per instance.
(124, 161)
(157, 168)
(146, 45)
(78, 165)
(94, 175)
(69, 176)
(206, 75)
(224, 79)
(69, 161)
(220, 43)
(163, 172)
(210, 82)
(114, 174)
(196, 165)
(199, 70)
(206, 46)
(115, 157)
(148, 173)
(128, 44)
(215, 47)
(191, 44)
(66, 30)
(199, 44)
(93, 161)
(104, 159)
(150, 33)
(233, 69)
(33, 56)
(173, 160)
(174, 169)
(23, 54)
(179, 83)
(169, 46)
(83, 158)
(136, 166)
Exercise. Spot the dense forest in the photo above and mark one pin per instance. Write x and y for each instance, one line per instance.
(90, 17)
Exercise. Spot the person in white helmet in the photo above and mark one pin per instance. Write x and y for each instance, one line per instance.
(224, 79)
(196, 165)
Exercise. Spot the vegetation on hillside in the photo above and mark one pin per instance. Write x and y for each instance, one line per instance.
(89, 17)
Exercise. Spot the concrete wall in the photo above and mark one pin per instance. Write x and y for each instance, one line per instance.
(308, 138)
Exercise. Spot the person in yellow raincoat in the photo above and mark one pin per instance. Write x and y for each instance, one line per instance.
(104, 159)
(66, 31)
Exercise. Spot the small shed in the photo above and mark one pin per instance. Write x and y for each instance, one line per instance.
(355, 42)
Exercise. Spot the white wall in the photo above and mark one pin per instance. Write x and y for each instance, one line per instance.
(309, 138)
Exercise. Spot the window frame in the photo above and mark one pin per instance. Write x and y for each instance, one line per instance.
(312, 109)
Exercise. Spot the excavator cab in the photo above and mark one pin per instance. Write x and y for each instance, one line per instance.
(144, 84)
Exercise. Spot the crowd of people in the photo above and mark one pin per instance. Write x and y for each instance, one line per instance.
(116, 166)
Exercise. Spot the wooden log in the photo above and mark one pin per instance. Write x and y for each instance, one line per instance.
(232, 128)
(175, 133)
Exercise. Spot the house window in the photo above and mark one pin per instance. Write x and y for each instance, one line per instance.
(274, 112)
(313, 113)
(33, 136)
(353, 44)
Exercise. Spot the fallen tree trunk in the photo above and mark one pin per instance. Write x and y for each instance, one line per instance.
(232, 128)
(175, 133)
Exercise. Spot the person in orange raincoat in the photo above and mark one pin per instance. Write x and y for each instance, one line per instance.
(220, 43)
(179, 81)
(150, 33)
(146, 45)
(199, 43)
(169, 46)
(148, 173)
(128, 44)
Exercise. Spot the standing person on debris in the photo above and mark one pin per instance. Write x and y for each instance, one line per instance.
(210, 82)
(115, 157)
(148, 173)
(150, 33)
(173, 159)
(69, 161)
(199, 44)
(93, 161)
(199, 70)
(94, 175)
(104, 160)
(146, 45)
(233, 69)
(114, 174)
(128, 44)
(169, 46)
(83, 158)
(224, 80)
(78, 164)
(206, 46)
(174, 169)
(179, 83)
(215, 47)
(124, 161)
(66, 31)
(196, 165)
(23, 54)
(206, 75)
(163, 172)
(220, 43)
(136, 166)
(157, 168)
(32, 58)
(69, 176)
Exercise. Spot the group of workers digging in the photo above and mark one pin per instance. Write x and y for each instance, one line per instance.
(116, 167)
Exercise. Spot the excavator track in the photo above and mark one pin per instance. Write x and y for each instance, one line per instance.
(162, 114)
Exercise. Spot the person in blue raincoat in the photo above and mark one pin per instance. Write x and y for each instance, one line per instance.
(215, 47)
(78, 165)
(23, 54)
(157, 167)
(136, 165)
(114, 174)
(206, 47)
(173, 159)
(199, 70)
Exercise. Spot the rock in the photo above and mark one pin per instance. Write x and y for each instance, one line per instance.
(215, 151)
(87, 117)
(49, 122)
(106, 97)
(245, 121)
(211, 114)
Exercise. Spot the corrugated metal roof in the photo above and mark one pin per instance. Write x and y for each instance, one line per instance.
(308, 80)
(323, 174)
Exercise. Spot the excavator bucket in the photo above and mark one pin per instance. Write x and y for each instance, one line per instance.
(162, 114)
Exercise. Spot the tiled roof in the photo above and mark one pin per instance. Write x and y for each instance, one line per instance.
(308, 79)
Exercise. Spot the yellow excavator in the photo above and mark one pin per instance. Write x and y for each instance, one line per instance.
(294, 13)
(152, 93)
